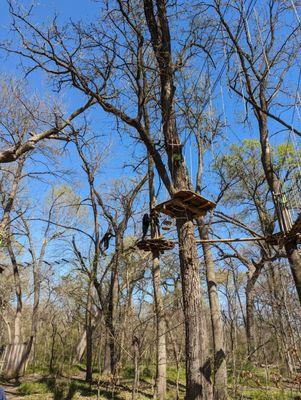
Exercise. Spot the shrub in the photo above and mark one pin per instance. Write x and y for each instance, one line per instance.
(28, 388)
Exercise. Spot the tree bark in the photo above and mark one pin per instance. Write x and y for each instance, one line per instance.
(220, 367)
(107, 355)
(89, 353)
(81, 345)
(250, 333)
(80, 348)
(294, 258)
(112, 317)
(198, 368)
(293, 254)
(135, 344)
(89, 339)
(161, 355)
(18, 292)
(198, 382)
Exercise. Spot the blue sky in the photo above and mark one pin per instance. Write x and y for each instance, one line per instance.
(231, 108)
(37, 83)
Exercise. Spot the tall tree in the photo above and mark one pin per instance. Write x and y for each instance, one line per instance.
(266, 49)
(161, 351)
(101, 50)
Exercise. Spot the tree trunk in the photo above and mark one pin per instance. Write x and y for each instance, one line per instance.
(89, 333)
(250, 320)
(259, 91)
(293, 254)
(81, 345)
(161, 355)
(135, 344)
(16, 358)
(198, 368)
(89, 353)
(17, 327)
(127, 315)
(107, 355)
(294, 258)
(280, 323)
(176, 352)
(52, 353)
(80, 348)
(112, 318)
(198, 383)
(220, 366)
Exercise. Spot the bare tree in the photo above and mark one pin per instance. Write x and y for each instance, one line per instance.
(265, 50)
(43, 123)
(148, 41)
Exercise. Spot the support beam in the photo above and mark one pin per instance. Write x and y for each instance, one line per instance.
(230, 240)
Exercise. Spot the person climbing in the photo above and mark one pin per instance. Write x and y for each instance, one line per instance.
(145, 225)
(156, 223)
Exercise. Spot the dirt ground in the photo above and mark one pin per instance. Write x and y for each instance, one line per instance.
(11, 391)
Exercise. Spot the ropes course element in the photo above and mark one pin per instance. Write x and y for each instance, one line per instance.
(296, 11)
(190, 204)
(231, 240)
(161, 244)
(294, 143)
(185, 201)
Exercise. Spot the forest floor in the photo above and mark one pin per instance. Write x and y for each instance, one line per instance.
(253, 386)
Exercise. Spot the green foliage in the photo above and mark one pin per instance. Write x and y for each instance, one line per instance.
(28, 388)
(128, 372)
(147, 372)
(253, 385)
(244, 162)
(266, 394)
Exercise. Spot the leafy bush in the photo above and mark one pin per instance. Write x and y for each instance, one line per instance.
(28, 388)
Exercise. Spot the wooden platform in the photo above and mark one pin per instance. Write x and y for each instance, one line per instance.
(160, 244)
(278, 239)
(185, 202)
(296, 228)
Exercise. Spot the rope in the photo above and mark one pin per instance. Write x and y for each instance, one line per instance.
(291, 135)
(190, 155)
(296, 11)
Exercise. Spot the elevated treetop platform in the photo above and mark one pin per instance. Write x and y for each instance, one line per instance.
(161, 244)
(294, 233)
(278, 239)
(183, 202)
(296, 228)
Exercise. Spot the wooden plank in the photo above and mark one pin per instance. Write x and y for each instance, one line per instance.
(196, 196)
(231, 240)
(188, 207)
(296, 226)
(188, 198)
(156, 243)
(185, 200)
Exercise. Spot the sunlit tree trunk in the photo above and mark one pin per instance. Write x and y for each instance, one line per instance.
(220, 366)
(161, 356)
(89, 336)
